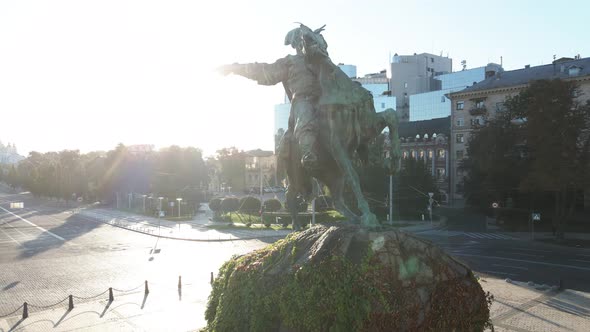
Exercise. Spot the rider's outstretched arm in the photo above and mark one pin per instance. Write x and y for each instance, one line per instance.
(263, 73)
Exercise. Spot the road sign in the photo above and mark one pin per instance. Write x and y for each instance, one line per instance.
(162, 214)
(536, 216)
(495, 205)
(171, 204)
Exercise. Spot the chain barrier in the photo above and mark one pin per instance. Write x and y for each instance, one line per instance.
(13, 312)
(129, 290)
(48, 306)
(89, 297)
(71, 298)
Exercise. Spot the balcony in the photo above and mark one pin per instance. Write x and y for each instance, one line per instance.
(478, 111)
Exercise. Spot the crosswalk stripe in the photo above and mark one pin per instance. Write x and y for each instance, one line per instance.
(474, 235)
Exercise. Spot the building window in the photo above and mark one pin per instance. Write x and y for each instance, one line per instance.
(459, 154)
(460, 105)
(382, 105)
(430, 154)
(479, 121)
(440, 173)
(441, 153)
(431, 60)
(442, 99)
(406, 85)
(421, 154)
(500, 107)
(413, 154)
(479, 104)
(405, 154)
(460, 138)
(460, 122)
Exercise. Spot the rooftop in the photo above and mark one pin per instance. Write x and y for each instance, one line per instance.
(558, 69)
(434, 126)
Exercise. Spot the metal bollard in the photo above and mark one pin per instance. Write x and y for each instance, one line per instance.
(147, 290)
(25, 310)
(111, 297)
(71, 302)
(179, 282)
(211, 278)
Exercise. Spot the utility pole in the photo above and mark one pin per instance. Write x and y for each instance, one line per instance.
(260, 166)
(391, 199)
(430, 201)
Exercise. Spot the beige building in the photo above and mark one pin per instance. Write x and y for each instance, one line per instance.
(474, 105)
(260, 170)
(413, 74)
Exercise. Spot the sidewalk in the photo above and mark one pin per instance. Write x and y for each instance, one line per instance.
(516, 307)
(163, 309)
(191, 230)
(522, 307)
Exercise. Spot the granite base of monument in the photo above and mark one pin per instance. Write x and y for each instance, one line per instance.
(346, 278)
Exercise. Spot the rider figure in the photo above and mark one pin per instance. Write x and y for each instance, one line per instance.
(299, 75)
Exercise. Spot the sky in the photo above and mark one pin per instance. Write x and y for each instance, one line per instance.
(88, 75)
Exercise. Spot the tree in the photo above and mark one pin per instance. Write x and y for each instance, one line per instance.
(556, 134)
(539, 146)
(494, 166)
(233, 167)
(414, 184)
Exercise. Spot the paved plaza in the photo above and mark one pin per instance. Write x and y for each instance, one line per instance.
(49, 251)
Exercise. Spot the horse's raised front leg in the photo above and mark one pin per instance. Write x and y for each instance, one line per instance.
(368, 219)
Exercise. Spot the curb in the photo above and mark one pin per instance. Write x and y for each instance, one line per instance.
(181, 238)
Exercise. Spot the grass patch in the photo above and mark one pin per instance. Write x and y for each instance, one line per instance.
(274, 227)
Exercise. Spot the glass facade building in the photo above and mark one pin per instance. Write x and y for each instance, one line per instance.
(432, 105)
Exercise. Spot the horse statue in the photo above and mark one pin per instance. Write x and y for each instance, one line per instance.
(332, 121)
(345, 135)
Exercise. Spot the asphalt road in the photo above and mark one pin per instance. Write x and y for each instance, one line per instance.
(48, 253)
(499, 255)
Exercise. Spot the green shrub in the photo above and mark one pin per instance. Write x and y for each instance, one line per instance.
(215, 204)
(230, 204)
(272, 205)
(250, 204)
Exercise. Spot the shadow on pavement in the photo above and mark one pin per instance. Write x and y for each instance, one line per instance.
(44, 242)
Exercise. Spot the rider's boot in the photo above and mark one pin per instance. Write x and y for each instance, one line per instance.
(309, 159)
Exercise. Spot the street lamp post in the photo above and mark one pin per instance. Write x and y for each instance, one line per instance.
(430, 201)
(179, 199)
(160, 206)
(144, 196)
(130, 200)
(261, 189)
(391, 199)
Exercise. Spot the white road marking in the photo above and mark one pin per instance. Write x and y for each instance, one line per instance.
(519, 253)
(580, 260)
(527, 261)
(526, 249)
(38, 227)
(13, 239)
(513, 267)
(474, 235)
(498, 272)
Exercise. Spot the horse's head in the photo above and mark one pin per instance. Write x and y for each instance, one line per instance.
(390, 119)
